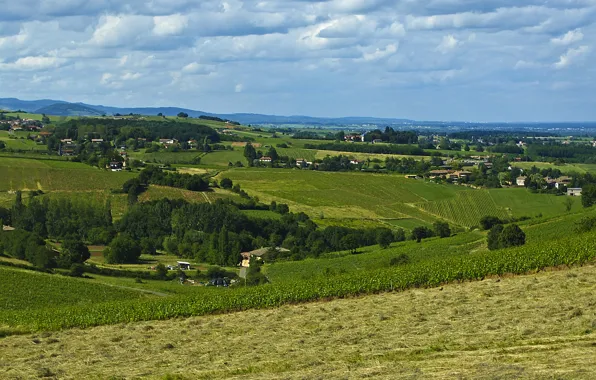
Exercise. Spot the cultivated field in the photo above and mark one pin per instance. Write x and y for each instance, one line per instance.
(536, 326)
(50, 175)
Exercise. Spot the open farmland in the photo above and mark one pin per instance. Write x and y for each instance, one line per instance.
(155, 192)
(520, 202)
(391, 199)
(342, 195)
(24, 290)
(48, 175)
(536, 326)
(465, 209)
(20, 142)
(442, 261)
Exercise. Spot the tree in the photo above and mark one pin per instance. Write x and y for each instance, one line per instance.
(588, 195)
(76, 270)
(487, 222)
(493, 237)
(568, 203)
(2, 145)
(226, 183)
(421, 232)
(122, 250)
(442, 229)
(512, 236)
(250, 153)
(384, 238)
(183, 115)
(161, 271)
(349, 243)
(74, 251)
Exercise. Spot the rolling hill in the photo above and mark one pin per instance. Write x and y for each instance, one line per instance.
(62, 108)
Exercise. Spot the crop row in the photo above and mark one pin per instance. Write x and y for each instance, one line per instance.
(574, 250)
(466, 209)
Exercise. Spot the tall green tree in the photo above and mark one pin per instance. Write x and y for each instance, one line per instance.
(588, 195)
(442, 229)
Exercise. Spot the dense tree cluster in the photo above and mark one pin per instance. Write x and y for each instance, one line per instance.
(501, 236)
(412, 150)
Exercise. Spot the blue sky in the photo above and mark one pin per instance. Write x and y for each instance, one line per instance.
(475, 60)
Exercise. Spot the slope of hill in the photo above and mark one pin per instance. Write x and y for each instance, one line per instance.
(61, 108)
(536, 326)
(69, 109)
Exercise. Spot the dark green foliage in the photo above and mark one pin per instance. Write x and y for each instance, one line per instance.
(402, 259)
(367, 148)
(586, 224)
(250, 153)
(74, 251)
(349, 243)
(504, 237)
(156, 176)
(493, 237)
(254, 275)
(487, 222)
(441, 229)
(2, 145)
(512, 236)
(161, 271)
(76, 270)
(28, 246)
(384, 237)
(588, 195)
(399, 235)
(226, 183)
(122, 250)
(5, 216)
(419, 233)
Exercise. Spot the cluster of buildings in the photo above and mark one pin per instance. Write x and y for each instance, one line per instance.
(557, 183)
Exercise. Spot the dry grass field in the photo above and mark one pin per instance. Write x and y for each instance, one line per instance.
(536, 326)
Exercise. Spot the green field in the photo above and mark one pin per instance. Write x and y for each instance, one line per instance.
(390, 199)
(28, 174)
(466, 209)
(20, 142)
(565, 168)
(165, 157)
(341, 195)
(26, 290)
(538, 326)
(223, 157)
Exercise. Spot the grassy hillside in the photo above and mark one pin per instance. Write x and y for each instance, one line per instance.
(391, 199)
(48, 175)
(537, 326)
(342, 195)
(21, 290)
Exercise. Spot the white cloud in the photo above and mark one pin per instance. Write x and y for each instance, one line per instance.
(568, 38)
(105, 78)
(34, 63)
(197, 68)
(131, 76)
(239, 87)
(169, 25)
(12, 42)
(448, 44)
(571, 56)
(380, 53)
(120, 30)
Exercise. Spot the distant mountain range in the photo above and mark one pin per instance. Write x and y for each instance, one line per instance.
(61, 108)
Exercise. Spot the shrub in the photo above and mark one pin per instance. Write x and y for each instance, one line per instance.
(402, 259)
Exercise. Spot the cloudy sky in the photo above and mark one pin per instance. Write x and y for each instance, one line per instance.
(475, 60)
